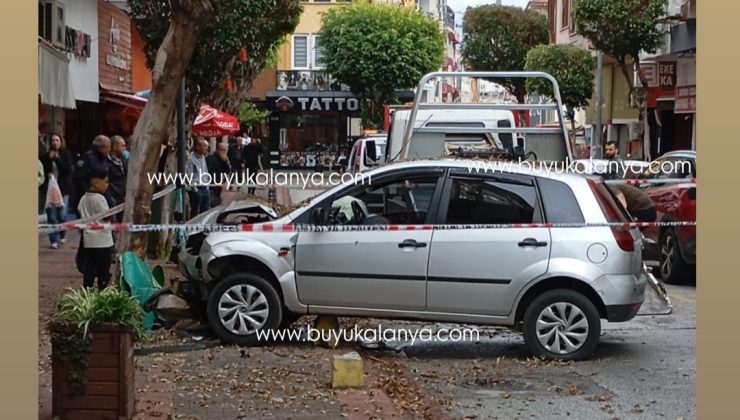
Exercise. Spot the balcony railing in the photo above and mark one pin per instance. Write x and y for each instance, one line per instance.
(308, 80)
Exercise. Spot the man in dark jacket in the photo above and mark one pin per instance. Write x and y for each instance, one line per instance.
(638, 204)
(219, 167)
(94, 161)
(236, 155)
(252, 161)
(118, 171)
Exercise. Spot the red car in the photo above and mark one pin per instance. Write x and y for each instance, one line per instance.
(675, 246)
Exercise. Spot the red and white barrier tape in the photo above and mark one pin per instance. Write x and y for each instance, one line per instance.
(651, 181)
(271, 227)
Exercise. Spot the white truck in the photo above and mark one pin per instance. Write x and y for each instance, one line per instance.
(476, 129)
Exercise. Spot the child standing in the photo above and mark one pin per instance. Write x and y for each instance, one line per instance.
(97, 245)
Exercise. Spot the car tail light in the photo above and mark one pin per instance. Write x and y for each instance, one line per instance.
(613, 214)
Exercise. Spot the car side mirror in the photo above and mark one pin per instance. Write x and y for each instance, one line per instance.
(317, 216)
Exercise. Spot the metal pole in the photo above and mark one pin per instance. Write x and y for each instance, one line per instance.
(181, 143)
(599, 100)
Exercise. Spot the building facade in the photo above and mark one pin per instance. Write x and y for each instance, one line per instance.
(91, 61)
(68, 70)
(312, 117)
(671, 74)
(619, 118)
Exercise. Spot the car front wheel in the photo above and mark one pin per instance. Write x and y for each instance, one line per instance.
(562, 324)
(242, 304)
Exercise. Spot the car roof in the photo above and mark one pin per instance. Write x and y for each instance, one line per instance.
(681, 153)
(532, 168)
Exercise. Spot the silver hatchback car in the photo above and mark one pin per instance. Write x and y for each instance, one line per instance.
(554, 284)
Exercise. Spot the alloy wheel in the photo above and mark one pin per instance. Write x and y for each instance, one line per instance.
(562, 328)
(667, 251)
(243, 309)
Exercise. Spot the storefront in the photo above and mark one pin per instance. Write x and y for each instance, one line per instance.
(120, 109)
(311, 129)
(672, 92)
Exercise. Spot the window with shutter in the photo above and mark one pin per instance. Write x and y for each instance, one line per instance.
(318, 53)
(300, 52)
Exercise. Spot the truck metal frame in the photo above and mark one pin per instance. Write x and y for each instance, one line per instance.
(410, 130)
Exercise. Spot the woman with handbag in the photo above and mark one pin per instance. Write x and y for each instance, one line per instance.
(58, 166)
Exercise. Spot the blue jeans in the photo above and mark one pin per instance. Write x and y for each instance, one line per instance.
(200, 201)
(56, 215)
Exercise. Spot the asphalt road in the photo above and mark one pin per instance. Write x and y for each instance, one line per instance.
(644, 368)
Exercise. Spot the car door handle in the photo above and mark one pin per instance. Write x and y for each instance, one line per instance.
(532, 242)
(410, 243)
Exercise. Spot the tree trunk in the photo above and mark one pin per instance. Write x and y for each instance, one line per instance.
(173, 56)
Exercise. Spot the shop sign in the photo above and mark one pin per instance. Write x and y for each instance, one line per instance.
(650, 73)
(685, 99)
(667, 74)
(328, 104)
(114, 37)
(305, 103)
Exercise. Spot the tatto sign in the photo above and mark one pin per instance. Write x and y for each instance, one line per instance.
(308, 103)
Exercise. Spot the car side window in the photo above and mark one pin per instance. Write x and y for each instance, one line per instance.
(653, 171)
(486, 201)
(401, 201)
(679, 168)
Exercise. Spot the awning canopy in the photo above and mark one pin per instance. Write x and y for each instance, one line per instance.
(55, 82)
(125, 99)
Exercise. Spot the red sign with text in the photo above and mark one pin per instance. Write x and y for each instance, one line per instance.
(667, 74)
(685, 100)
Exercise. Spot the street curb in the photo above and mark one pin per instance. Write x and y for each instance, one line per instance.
(177, 348)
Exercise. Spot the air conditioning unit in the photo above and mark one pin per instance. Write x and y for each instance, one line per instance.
(51, 22)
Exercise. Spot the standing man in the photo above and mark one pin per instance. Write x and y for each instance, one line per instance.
(197, 170)
(118, 171)
(252, 161)
(94, 161)
(236, 155)
(614, 168)
(220, 168)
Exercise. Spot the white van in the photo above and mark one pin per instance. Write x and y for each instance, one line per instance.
(367, 153)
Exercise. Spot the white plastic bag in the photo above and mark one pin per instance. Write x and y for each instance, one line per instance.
(54, 194)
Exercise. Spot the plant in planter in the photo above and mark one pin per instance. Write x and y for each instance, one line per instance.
(92, 335)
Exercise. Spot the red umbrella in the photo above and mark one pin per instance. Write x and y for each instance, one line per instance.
(214, 123)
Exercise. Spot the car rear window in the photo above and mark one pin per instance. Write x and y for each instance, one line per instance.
(559, 203)
(610, 205)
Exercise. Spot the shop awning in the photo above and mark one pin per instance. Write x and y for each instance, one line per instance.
(121, 98)
(55, 82)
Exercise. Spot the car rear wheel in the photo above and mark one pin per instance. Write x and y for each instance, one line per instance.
(242, 304)
(562, 324)
(673, 269)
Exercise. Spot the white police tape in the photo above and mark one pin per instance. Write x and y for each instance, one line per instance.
(273, 227)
